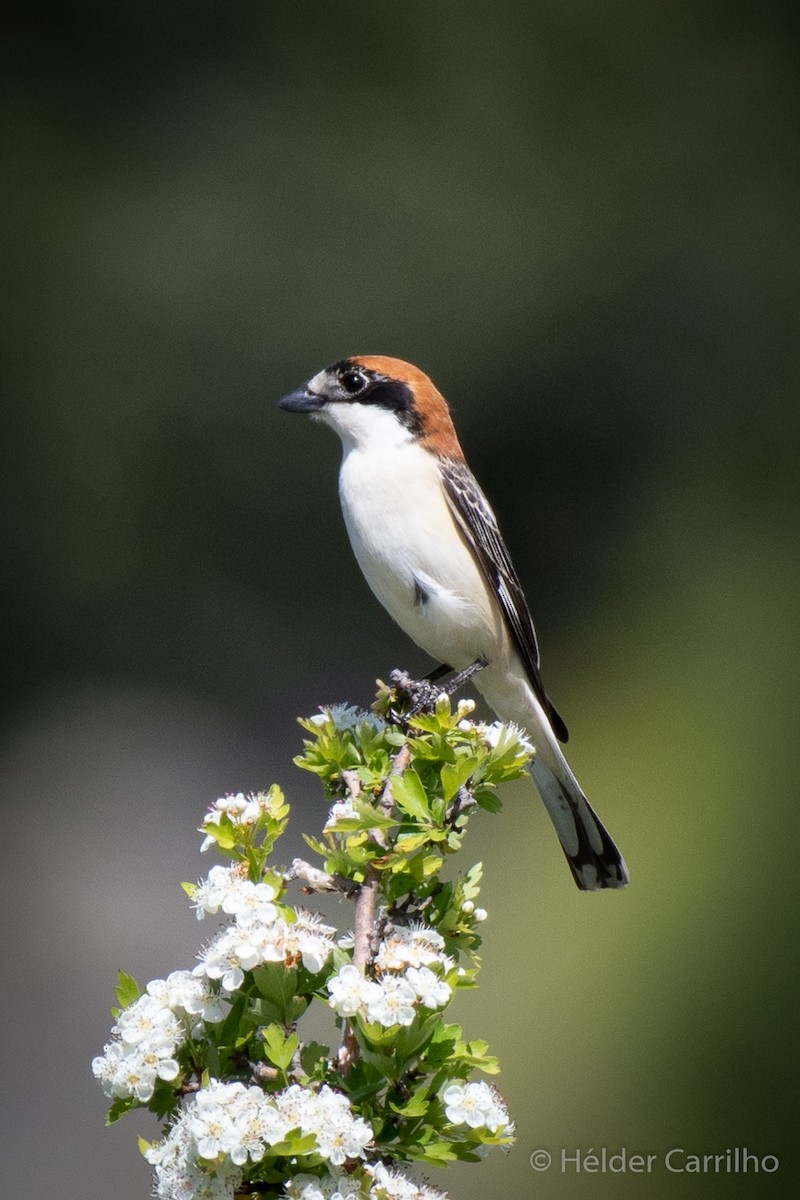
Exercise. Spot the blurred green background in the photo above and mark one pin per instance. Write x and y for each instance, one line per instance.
(581, 219)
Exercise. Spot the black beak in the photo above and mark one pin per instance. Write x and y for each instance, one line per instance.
(301, 400)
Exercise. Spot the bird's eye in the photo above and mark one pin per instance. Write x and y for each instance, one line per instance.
(353, 381)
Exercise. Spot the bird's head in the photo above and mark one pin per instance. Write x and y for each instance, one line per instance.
(370, 399)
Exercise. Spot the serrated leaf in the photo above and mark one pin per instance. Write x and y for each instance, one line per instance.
(473, 1054)
(315, 844)
(279, 1048)
(127, 989)
(223, 833)
(431, 864)
(417, 1106)
(470, 885)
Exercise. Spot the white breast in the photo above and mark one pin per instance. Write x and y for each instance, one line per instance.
(412, 554)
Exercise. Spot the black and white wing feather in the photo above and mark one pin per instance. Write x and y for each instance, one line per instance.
(475, 518)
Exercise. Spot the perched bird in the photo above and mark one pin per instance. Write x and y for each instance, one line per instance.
(429, 546)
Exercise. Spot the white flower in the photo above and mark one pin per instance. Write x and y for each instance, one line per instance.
(328, 1116)
(341, 810)
(502, 736)
(212, 892)
(432, 991)
(393, 1004)
(392, 1185)
(411, 946)
(220, 960)
(131, 1071)
(147, 1020)
(185, 994)
(330, 1186)
(349, 990)
(239, 809)
(313, 941)
(476, 1105)
(251, 902)
(269, 940)
(210, 1119)
(178, 1175)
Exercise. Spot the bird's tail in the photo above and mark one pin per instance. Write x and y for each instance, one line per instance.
(593, 857)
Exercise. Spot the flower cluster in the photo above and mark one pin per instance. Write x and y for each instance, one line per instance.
(381, 1184)
(228, 1125)
(249, 1104)
(229, 889)
(411, 946)
(243, 812)
(477, 1105)
(241, 947)
(404, 979)
(149, 1032)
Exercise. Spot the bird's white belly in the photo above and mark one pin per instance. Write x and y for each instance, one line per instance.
(414, 557)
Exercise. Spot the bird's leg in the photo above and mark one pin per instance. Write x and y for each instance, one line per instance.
(462, 677)
(456, 681)
(438, 672)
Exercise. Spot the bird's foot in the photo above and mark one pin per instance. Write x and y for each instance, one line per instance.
(414, 696)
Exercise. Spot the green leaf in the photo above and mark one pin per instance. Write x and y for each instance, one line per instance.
(417, 1106)
(407, 843)
(488, 799)
(473, 1054)
(127, 990)
(229, 1029)
(119, 1108)
(410, 1039)
(455, 775)
(470, 885)
(431, 864)
(409, 795)
(163, 1101)
(279, 1048)
(299, 1143)
(314, 1058)
(437, 1154)
(278, 986)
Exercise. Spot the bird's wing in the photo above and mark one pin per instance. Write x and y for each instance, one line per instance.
(478, 524)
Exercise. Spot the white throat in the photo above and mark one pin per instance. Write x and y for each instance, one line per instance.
(365, 427)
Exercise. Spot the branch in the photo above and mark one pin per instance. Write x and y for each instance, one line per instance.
(364, 933)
